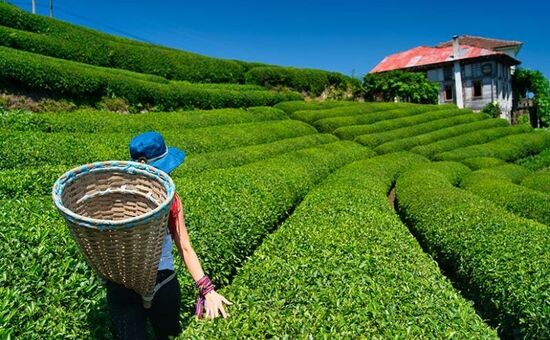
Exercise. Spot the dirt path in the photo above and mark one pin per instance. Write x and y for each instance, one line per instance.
(391, 198)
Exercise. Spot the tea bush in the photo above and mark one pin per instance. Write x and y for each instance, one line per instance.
(58, 39)
(30, 181)
(309, 81)
(539, 161)
(87, 83)
(515, 198)
(508, 172)
(51, 37)
(343, 265)
(375, 139)
(101, 121)
(47, 289)
(299, 105)
(470, 138)
(38, 180)
(312, 115)
(539, 181)
(509, 148)
(391, 117)
(476, 163)
(350, 132)
(24, 149)
(437, 135)
(248, 154)
(497, 259)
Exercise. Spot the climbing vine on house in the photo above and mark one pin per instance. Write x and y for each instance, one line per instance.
(526, 81)
(411, 87)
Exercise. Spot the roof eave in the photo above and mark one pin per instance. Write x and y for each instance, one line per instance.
(512, 61)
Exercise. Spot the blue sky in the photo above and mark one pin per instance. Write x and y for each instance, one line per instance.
(345, 36)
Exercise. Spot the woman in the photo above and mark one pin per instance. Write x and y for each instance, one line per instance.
(125, 305)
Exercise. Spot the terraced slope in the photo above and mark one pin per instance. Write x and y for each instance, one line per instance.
(273, 165)
(497, 259)
(343, 265)
(54, 38)
(501, 185)
(305, 244)
(87, 84)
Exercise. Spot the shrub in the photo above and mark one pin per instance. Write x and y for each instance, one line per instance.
(89, 83)
(376, 139)
(476, 163)
(228, 212)
(222, 86)
(406, 86)
(238, 199)
(248, 154)
(24, 149)
(515, 198)
(114, 104)
(31, 181)
(378, 120)
(46, 290)
(452, 171)
(538, 161)
(344, 250)
(492, 109)
(524, 81)
(310, 116)
(509, 148)
(470, 138)
(58, 39)
(99, 121)
(506, 172)
(495, 258)
(62, 40)
(434, 136)
(539, 181)
(293, 106)
(310, 81)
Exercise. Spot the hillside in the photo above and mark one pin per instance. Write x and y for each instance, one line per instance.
(303, 205)
(317, 219)
(50, 37)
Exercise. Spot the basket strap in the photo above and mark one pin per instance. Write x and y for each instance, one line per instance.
(148, 299)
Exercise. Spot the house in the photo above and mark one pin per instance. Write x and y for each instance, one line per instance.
(471, 71)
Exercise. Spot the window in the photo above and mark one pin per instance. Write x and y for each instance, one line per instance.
(448, 73)
(477, 88)
(448, 92)
(476, 70)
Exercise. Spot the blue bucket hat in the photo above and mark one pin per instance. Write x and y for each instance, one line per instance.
(151, 148)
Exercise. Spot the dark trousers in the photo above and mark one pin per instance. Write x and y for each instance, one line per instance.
(129, 317)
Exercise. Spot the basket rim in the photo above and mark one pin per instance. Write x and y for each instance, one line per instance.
(106, 166)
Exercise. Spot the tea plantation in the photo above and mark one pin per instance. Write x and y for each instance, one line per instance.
(318, 219)
(287, 208)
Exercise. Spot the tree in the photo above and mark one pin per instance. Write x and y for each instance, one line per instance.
(526, 81)
(411, 87)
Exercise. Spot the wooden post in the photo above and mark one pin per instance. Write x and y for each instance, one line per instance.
(33, 6)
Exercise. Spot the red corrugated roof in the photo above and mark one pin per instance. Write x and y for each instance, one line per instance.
(425, 55)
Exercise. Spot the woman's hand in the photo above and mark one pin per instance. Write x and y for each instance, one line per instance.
(214, 305)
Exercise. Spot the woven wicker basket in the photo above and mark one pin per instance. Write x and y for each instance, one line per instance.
(117, 212)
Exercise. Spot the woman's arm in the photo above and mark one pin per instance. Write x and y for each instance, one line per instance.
(213, 301)
(183, 243)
